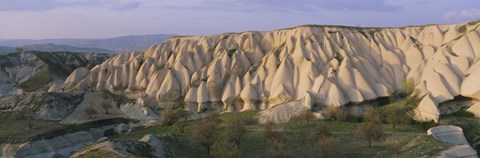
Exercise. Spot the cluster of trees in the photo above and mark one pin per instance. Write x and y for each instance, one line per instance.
(324, 144)
(218, 142)
(90, 110)
(178, 118)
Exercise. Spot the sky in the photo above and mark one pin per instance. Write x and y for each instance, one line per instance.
(44, 19)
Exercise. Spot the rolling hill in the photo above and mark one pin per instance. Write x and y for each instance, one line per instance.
(118, 44)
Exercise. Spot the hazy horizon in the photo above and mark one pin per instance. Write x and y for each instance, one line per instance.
(86, 19)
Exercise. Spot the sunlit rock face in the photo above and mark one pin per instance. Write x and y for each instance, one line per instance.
(324, 65)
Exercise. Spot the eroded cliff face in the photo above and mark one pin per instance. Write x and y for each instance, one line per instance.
(31, 71)
(327, 65)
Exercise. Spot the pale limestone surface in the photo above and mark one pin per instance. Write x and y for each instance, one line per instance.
(453, 135)
(475, 109)
(335, 65)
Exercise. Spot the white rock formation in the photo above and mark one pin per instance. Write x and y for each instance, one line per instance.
(453, 135)
(475, 109)
(335, 65)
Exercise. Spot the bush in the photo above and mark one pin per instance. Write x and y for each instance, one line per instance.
(90, 111)
(204, 132)
(397, 114)
(464, 113)
(372, 116)
(225, 149)
(329, 147)
(336, 113)
(408, 87)
(235, 131)
(307, 116)
(167, 116)
(106, 106)
(370, 132)
(322, 131)
(276, 147)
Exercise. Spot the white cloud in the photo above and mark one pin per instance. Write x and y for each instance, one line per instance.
(462, 14)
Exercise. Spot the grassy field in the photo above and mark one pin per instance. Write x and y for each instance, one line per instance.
(414, 140)
(14, 128)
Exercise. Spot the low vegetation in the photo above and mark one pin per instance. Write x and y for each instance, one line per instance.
(16, 129)
(209, 137)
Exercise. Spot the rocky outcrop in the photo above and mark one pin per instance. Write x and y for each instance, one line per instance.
(45, 106)
(62, 145)
(453, 135)
(31, 71)
(324, 65)
(148, 146)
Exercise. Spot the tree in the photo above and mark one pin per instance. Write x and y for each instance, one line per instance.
(303, 135)
(307, 116)
(336, 113)
(329, 147)
(90, 111)
(106, 105)
(396, 115)
(268, 131)
(167, 116)
(236, 130)
(204, 132)
(370, 132)
(276, 147)
(372, 116)
(395, 147)
(181, 122)
(322, 131)
(225, 149)
(29, 119)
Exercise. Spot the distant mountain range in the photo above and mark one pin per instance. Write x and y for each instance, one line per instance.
(4, 49)
(54, 48)
(118, 44)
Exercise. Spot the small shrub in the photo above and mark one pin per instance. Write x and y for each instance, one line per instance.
(395, 147)
(370, 132)
(464, 113)
(268, 131)
(462, 29)
(276, 147)
(322, 131)
(90, 111)
(235, 131)
(106, 106)
(329, 147)
(336, 113)
(372, 116)
(225, 149)
(396, 114)
(167, 116)
(204, 132)
(408, 87)
(181, 122)
(307, 116)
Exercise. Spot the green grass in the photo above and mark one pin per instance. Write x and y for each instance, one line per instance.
(14, 128)
(463, 113)
(100, 153)
(473, 23)
(39, 80)
(416, 143)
